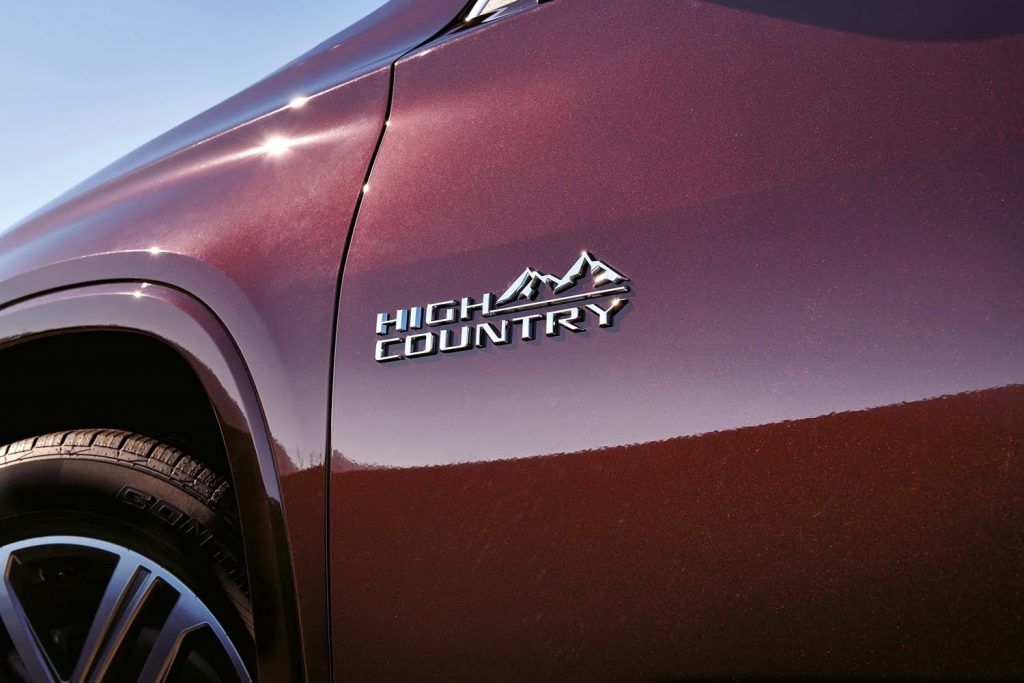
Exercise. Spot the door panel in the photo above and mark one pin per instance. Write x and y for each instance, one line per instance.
(797, 447)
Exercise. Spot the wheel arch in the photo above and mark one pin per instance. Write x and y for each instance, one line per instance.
(175, 332)
(110, 379)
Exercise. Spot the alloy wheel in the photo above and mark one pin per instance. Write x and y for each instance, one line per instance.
(82, 610)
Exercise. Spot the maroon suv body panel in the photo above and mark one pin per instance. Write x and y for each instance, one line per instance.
(798, 450)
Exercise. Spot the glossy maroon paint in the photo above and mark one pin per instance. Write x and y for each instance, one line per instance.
(799, 452)
(807, 423)
(880, 543)
(256, 233)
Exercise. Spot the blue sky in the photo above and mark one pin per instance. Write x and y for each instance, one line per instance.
(86, 81)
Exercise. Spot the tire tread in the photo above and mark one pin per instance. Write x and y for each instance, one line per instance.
(127, 449)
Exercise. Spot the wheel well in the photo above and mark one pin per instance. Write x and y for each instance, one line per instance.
(109, 379)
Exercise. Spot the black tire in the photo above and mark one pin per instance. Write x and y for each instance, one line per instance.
(132, 490)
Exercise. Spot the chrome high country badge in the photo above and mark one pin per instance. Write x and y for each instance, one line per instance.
(458, 328)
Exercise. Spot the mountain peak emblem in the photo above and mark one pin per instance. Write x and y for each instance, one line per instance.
(529, 283)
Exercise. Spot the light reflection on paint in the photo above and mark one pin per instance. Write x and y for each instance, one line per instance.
(276, 145)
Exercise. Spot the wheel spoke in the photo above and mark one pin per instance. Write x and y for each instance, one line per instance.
(127, 591)
(26, 643)
(179, 623)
